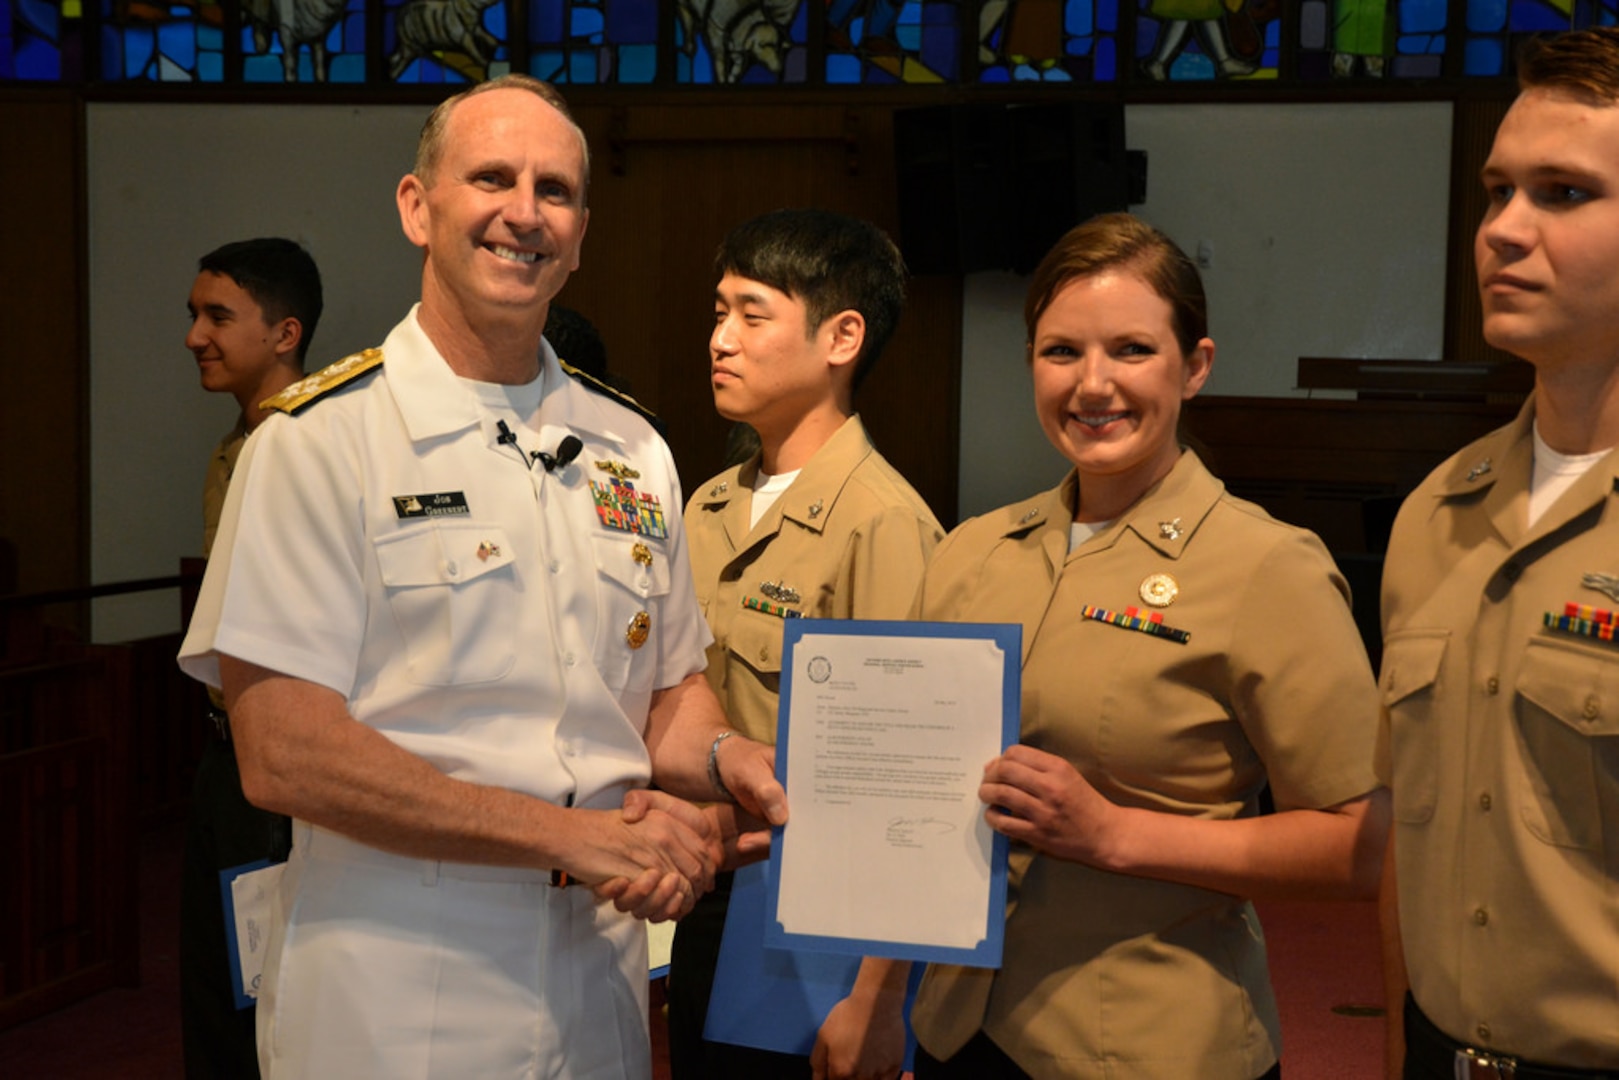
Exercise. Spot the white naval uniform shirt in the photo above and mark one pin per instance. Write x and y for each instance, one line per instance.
(489, 634)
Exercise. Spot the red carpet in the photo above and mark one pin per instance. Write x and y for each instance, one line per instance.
(1324, 957)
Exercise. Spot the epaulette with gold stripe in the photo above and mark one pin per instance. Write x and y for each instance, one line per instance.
(592, 383)
(311, 388)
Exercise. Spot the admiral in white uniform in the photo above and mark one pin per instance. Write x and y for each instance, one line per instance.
(453, 618)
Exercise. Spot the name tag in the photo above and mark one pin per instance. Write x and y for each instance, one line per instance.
(440, 504)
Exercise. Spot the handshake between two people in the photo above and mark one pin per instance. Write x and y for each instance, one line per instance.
(662, 852)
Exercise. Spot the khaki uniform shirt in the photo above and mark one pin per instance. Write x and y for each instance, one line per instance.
(220, 466)
(1501, 743)
(1107, 975)
(847, 540)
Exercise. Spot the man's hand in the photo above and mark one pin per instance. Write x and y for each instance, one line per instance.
(655, 857)
(748, 770)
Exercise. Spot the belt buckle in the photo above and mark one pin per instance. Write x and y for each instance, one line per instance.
(1477, 1065)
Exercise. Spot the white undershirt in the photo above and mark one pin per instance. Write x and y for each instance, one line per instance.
(520, 402)
(1081, 531)
(1554, 474)
(766, 490)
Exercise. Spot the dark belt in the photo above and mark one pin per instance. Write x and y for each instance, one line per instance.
(221, 722)
(1438, 1053)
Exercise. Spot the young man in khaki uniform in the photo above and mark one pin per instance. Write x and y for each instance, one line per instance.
(816, 524)
(1500, 736)
(254, 307)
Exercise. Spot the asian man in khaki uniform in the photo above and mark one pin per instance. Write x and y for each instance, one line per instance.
(815, 524)
(1500, 736)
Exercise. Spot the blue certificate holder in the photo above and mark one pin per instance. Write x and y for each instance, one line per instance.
(777, 999)
(885, 705)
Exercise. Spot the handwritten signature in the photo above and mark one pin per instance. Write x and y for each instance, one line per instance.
(909, 830)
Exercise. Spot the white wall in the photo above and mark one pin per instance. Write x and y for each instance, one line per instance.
(168, 183)
(1326, 227)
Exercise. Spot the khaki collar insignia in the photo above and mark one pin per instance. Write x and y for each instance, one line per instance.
(1170, 530)
(1483, 468)
(815, 509)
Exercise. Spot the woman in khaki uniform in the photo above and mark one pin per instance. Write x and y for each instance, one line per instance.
(1180, 649)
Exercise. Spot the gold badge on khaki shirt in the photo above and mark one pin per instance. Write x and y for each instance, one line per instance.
(1159, 590)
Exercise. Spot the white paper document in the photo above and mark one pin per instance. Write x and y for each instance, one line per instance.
(883, 736)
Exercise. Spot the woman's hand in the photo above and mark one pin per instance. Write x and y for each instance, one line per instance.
(1043, 801)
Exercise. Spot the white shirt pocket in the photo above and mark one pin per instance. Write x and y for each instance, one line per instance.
(451, 586)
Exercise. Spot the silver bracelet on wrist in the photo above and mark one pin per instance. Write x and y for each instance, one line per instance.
(714, 767)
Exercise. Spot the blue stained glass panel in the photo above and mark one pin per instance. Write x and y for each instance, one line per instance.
(1484, 57)
(637, 63)
(582, 66)
(587, 21)
(139, 44)
(546, 20)
(1533, 16)
(178, 42)
(1486, 16)
(41, 17)
(632, 21)
(37, 59)
(1078, 19)
(1106, 60)
(1422, 16)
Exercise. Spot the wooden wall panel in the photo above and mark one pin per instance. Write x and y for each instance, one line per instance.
(44, 401)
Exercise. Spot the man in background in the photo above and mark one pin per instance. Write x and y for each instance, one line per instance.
(814, 523)
(254, 307)
(1501, 722)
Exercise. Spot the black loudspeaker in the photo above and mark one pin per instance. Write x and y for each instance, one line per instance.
(992, 187)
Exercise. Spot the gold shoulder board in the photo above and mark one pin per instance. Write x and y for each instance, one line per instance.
(313, 387)
(590, 382)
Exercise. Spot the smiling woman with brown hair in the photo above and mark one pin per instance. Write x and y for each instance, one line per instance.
(1182, 649)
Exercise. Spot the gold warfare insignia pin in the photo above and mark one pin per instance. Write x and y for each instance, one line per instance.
(639, 629)
(619, 470)
(641, 554)
(1159, 590)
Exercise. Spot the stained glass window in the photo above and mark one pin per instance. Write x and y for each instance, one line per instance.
(772, 42)
(1048, 41)
(750, 42)
(162, 42)
(1372, 39)
(1201, 40)
(1495, 26)
(40, 40)
(436, 41)
(594, 41)
(894, 41)
(322, 41)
